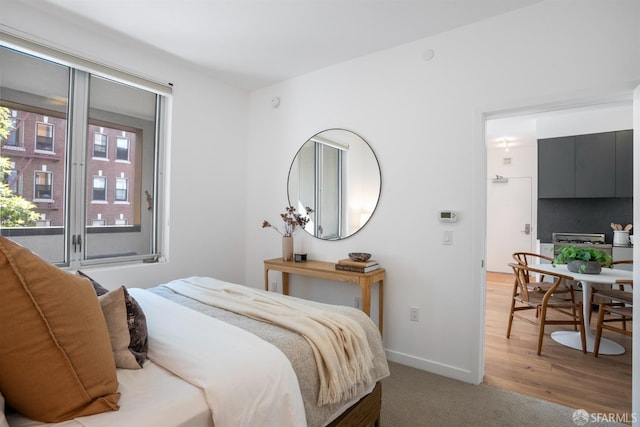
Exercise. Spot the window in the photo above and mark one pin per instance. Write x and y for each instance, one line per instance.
(99, 146)
(12, 180)
(14, 140)
(121, 189)
(43, 183)
(64, 118)
(99, 189)
(44, 137)
(122, 149)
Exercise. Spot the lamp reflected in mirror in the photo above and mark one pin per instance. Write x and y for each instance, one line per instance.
(335, 177)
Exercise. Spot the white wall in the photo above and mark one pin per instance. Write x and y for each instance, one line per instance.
(424, 121)
(208, 148)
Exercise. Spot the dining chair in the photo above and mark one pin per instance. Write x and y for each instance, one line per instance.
(539, 285)
(549, 307)
(601, 295)
(617, 308)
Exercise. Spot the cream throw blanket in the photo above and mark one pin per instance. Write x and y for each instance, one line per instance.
(339, 344)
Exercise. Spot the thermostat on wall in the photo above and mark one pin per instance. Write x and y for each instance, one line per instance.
(448, 216)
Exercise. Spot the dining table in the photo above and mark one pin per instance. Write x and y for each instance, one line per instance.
(608, 276)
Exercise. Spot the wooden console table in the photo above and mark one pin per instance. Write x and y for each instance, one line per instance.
(327, 270)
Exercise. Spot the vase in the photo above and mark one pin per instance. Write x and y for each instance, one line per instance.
(590, 267)
(287, 248)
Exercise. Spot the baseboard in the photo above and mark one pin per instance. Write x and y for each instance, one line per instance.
(431, 366)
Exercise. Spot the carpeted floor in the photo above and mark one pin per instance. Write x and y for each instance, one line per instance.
(415, 398)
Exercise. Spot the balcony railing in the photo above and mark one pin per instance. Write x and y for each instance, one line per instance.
(106, 241)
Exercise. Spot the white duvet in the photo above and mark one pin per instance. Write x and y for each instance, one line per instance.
(246, 380)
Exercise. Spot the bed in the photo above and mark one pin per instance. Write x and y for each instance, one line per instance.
(294, 346)
(208, 365)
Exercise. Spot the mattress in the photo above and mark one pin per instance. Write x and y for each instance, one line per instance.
(150, 397)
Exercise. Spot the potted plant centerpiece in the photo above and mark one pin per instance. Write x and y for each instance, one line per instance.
(583, 260)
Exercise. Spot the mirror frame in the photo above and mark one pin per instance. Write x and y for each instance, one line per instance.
(373, 163)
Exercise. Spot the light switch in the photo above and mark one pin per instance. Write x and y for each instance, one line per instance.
(447, 238)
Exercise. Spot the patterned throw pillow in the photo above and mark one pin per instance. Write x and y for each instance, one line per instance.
(136, 321)
(3, 419)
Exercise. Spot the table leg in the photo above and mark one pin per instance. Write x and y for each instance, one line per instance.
(285, 283)
(365, 291)
(572, 339)
(266, 278)
(380, 304)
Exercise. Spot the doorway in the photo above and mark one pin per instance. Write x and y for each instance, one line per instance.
(500, 244)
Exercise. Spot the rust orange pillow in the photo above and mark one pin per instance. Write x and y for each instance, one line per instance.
(55, 352)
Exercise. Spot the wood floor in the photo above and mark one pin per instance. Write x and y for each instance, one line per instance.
(561, 374)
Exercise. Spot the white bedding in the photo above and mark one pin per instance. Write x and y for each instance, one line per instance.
(343, 358)
(151, 397)
(229, 365)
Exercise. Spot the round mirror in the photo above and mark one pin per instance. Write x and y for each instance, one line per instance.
(335, 178)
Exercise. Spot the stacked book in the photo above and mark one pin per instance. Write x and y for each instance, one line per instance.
(348, 264)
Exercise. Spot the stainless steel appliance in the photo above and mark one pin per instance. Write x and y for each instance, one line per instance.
(583, 240)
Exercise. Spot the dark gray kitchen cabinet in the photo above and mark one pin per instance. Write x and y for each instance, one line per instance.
(556, 167)
(596, 165)
(624, 163)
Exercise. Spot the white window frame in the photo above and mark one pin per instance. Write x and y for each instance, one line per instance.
(16, 134)
(14, 174)
(122, 138)
(160, 176)
(126, 190)
(35, 183)
(103, 138)
(104, 188)
(53, 131)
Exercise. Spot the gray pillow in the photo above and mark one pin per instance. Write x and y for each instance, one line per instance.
(114, 310)
(136, 321)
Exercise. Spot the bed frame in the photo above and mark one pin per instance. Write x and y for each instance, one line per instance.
(364, 413)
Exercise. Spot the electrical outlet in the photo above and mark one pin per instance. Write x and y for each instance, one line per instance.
(358, 303)
(274, 286)
(414, 314)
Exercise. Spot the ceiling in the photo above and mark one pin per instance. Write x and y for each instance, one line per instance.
(522, 130)
(254, 43)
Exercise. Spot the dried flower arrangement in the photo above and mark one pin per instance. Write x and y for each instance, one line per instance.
(292, 220)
